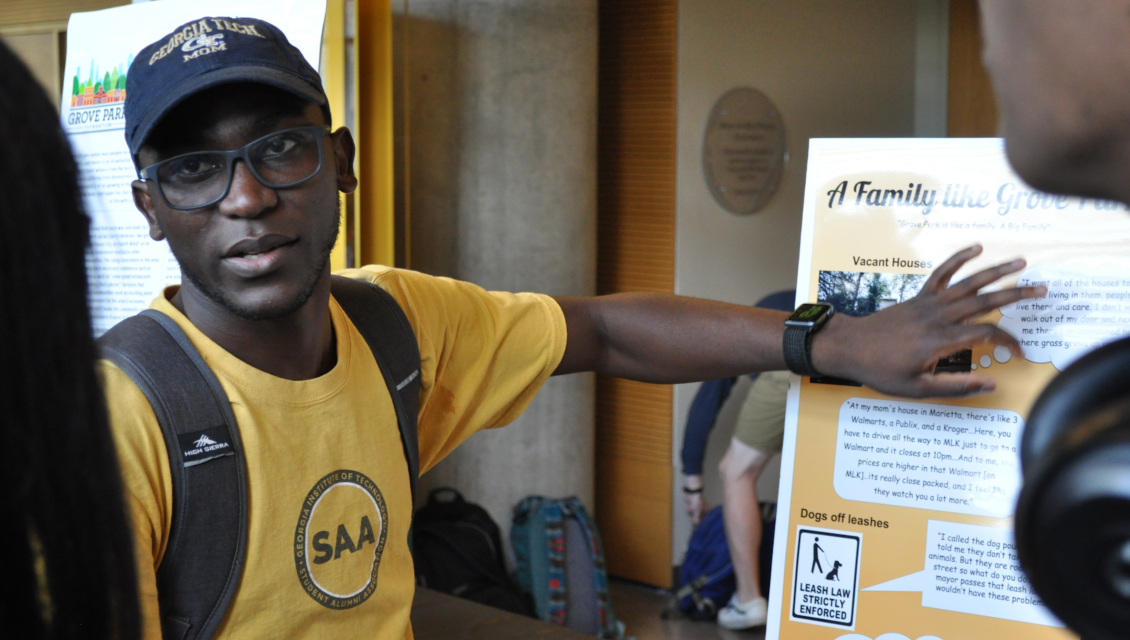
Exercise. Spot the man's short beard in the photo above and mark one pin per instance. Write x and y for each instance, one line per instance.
(217, 296)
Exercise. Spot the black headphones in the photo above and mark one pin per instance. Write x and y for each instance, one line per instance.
(1073, 516)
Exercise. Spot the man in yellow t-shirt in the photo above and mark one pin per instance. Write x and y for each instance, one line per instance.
(229, 126)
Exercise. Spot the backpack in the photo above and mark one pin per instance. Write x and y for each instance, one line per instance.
(560, 563)
(207, 545)
(457, 549)
(706, 578)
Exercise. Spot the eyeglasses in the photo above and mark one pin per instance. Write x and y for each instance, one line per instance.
(281, 159)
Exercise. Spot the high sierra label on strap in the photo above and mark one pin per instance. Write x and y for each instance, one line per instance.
(205, 445)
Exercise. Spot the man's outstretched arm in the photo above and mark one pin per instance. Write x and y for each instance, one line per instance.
(669, 339)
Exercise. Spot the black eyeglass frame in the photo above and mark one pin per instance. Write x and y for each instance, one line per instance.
(320, 130)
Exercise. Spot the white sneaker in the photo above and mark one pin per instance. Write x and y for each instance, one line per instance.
(743, 615)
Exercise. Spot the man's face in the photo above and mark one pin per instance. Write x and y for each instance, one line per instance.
(258, 253)
(1061, 71)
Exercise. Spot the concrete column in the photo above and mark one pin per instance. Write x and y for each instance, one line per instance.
(499, 101)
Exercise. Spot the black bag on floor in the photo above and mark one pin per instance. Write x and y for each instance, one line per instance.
(457, 549)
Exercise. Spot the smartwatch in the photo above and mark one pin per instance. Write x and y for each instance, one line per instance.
(799, 327)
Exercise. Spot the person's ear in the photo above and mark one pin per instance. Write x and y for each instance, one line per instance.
(344, 151)
(144, 203)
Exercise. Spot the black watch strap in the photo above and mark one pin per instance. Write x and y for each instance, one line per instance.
(798, 351)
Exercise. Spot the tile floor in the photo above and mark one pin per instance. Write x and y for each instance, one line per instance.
(639, 607)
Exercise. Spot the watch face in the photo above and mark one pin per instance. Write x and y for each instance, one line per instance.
(809, 315)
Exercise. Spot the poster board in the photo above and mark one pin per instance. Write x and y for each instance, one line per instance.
(895, 516)
(127, 269)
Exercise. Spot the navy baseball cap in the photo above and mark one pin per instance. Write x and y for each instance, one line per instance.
(208, 52)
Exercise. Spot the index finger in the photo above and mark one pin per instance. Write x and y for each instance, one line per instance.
(983, 278)
(940, 279)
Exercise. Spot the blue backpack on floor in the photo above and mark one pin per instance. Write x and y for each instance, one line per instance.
(706, 579)
(707, 576)
(560, 562)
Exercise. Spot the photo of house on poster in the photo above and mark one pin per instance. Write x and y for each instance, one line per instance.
(126, 268)
(922, 492)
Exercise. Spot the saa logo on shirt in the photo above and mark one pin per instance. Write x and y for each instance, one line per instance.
(339, 539)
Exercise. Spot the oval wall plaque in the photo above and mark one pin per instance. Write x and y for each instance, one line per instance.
(744, 153)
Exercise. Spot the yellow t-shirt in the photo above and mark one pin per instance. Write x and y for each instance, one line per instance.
(327, 553)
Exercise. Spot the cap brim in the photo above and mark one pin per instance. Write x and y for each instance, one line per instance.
(277, 78)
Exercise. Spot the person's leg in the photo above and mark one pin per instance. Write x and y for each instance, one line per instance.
(757, 437)
(741, 513)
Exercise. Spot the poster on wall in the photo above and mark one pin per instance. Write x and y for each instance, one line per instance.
(895, 515)
(125, 267)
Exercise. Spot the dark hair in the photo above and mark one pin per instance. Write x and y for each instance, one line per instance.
(68, 554)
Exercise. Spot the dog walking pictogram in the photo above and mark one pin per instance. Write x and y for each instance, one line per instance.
(817, 567)
(817, 551)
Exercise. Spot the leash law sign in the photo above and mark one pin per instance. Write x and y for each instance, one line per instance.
(826, 577)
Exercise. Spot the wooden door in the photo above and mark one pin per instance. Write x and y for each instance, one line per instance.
(636, 252)
(972, 109)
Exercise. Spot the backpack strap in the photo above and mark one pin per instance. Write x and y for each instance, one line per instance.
(381, 321)
(605, 615)
(207, 543)
(556, 609)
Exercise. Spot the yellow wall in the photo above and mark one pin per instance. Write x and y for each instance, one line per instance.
(371, 229)
(374, 199)
(333, 81)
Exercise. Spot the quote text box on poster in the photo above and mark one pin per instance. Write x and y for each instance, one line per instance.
(928, 456)
(973, 569)
(1084, 309)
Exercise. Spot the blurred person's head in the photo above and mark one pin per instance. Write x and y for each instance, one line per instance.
(68, 570)
(253, 234)
(1061, 72)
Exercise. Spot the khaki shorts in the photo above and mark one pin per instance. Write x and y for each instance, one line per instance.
(761, 423)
